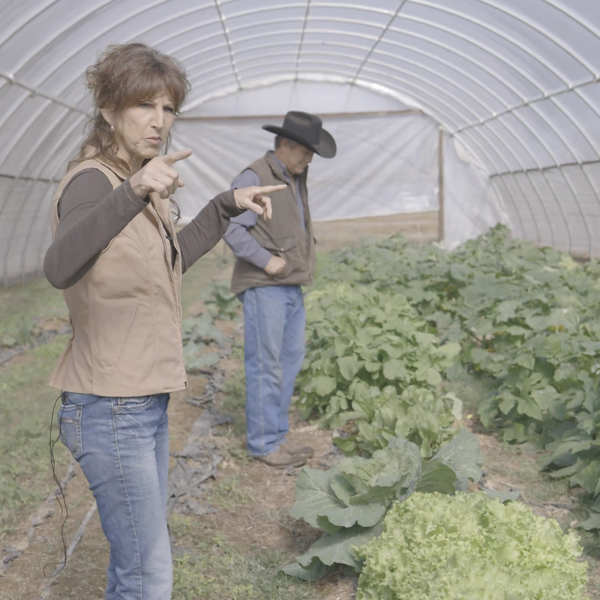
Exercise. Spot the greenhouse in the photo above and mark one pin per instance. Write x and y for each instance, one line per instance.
(462, 355)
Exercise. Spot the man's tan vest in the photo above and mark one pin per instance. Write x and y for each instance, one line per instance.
(125, 311)
(282, 235)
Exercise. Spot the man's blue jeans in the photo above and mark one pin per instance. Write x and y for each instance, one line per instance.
(122, 445)
(274, 320)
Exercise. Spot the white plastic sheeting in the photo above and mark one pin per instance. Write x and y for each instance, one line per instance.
(400, 176)
(515, 82)
(470, 206)
(317, 97)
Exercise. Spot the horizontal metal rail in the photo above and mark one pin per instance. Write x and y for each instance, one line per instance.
(11, 79)
(583, 163)
(26, 178)
(336, 115)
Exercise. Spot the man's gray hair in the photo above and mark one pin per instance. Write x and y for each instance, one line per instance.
(291, 143)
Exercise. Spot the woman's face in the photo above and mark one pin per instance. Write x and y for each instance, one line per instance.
(142, 129)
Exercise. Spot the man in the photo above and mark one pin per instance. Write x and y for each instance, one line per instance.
(274, 259)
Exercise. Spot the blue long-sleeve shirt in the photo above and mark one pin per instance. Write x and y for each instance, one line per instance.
(238, 237)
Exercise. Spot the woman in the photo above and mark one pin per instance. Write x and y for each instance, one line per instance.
(117, 256)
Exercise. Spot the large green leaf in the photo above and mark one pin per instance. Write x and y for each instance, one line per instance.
(592, 522)
(437, 477)
(448, 350)
(463, 455)
(433, 377)
(506, 311)
(528, 406)
(325, 524)
(337, 549)
(325, 385)
(341, 487)
(380, 477)
(349, 366)
(588, 477)
(315, 499)
(394, 369)
(347, 445)
(313, 572)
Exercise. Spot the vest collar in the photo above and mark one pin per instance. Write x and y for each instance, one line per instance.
(118, 172)
(281, 166)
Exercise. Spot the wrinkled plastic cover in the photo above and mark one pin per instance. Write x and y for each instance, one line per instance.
(400, 177)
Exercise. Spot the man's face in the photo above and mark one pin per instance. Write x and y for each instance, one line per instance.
(296, 159)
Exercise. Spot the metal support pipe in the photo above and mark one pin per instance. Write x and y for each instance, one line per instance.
(22, 178)
(441, 190)
(302, 37)
(550, 168)
(37, 92)
(379, 113)
(378, 40)
(229, 44)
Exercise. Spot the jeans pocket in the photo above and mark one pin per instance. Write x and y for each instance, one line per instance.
(168, 401)
(69, 424)
(132, 405)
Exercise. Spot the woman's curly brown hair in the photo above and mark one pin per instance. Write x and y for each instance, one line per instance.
(125, 75)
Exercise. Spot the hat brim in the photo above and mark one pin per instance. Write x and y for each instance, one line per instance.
(325, 148)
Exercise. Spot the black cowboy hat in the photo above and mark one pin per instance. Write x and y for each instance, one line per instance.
(306, 129)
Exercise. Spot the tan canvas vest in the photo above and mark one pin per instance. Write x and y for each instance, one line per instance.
(126, 310)
(282, 235)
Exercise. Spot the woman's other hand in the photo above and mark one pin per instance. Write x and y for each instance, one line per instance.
(254, 199)
(159, 176)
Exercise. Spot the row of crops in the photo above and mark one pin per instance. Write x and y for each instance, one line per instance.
(391, 326)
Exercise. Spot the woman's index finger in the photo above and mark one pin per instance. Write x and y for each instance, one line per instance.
(171, 159)
(267, 189)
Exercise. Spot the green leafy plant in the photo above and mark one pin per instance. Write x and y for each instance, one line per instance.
(350, 500)
(373, 365)
(468, 546)
(198, 334)
(220, 302)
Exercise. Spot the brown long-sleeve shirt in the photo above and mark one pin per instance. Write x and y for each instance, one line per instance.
(92, 214)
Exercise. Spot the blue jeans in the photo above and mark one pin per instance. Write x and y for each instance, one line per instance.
(274, 320)
(122, 445)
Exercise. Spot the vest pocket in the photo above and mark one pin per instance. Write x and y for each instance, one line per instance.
(127, 336)
(289, 250)
(284, 244)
